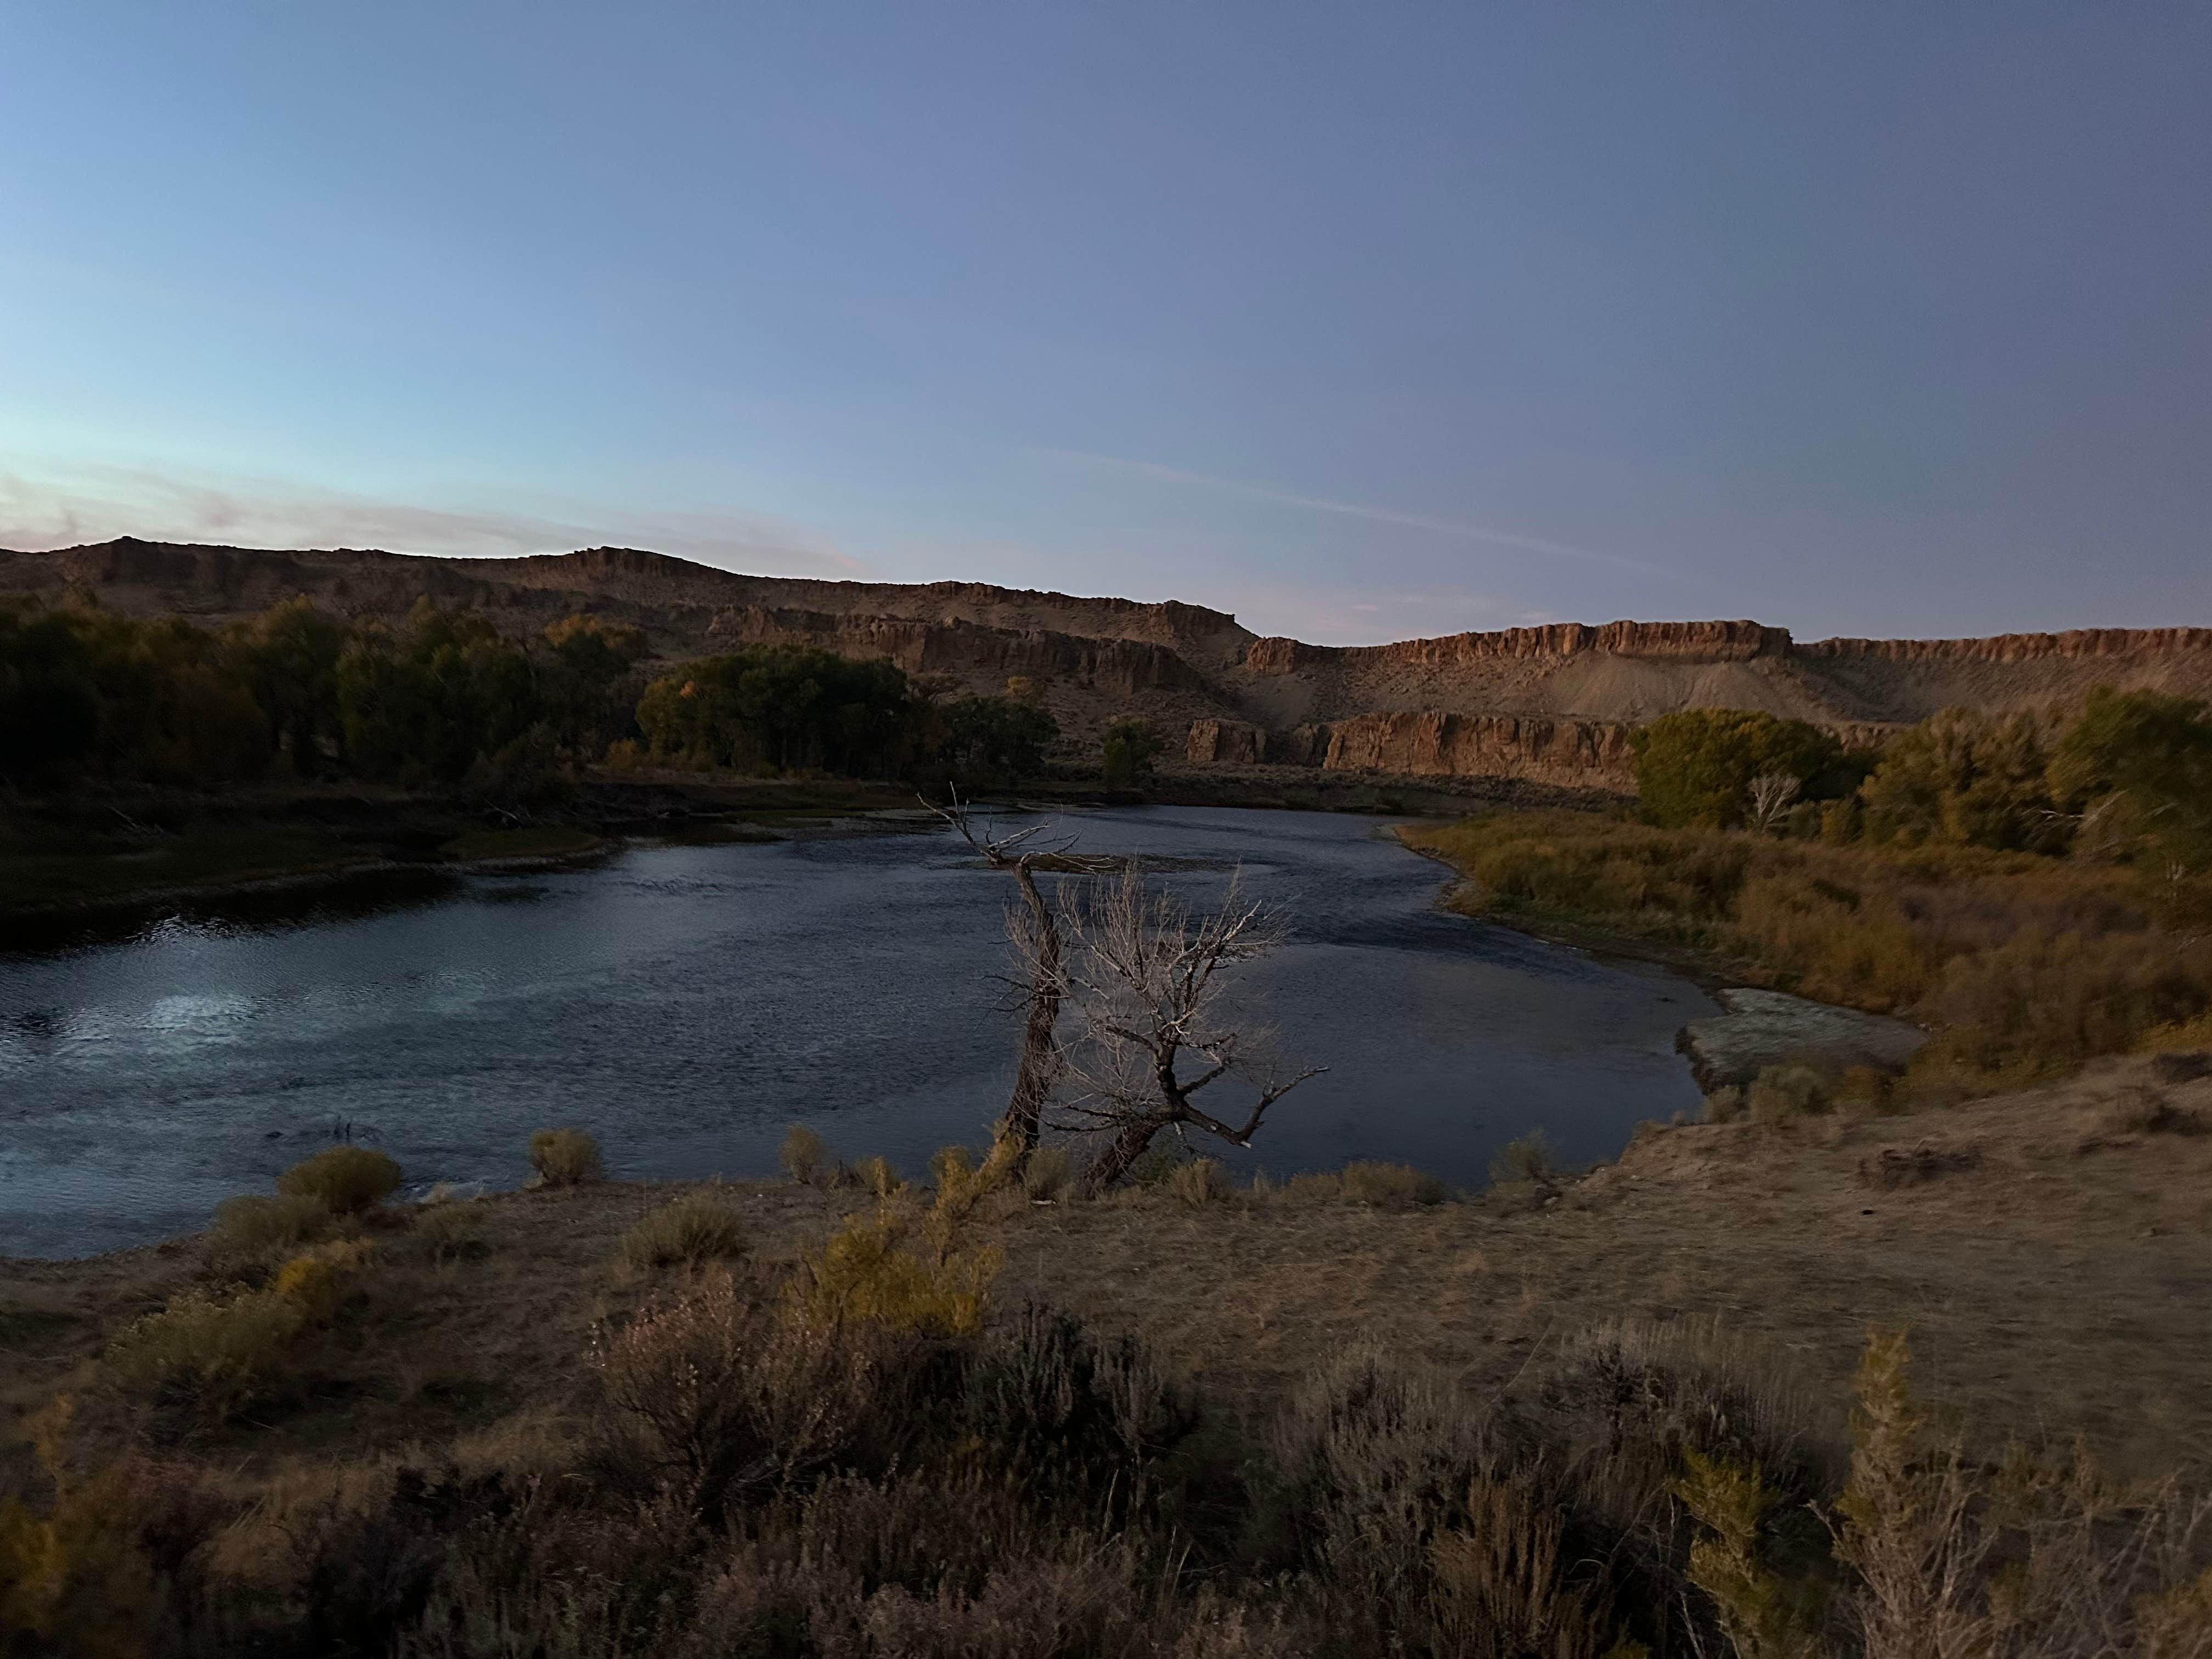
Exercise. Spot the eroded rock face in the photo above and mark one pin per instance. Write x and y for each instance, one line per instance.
(1484, 745)
(1553, 704)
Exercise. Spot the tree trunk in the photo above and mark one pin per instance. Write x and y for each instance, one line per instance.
(1017, 1136)
(1125, 1148)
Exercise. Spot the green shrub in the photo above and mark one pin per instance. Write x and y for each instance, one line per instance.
(802, 1154)
(209, 1353)
(566, 1158)
(696, 1230)
(214, 1353)
(1963, 778)
(345, 1180)
(1130, 747)
(1696, 767)
(1392, 1186)
(1525, 1158)
(253, 1224)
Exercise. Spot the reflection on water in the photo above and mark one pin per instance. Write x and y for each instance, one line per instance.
(687, 1003)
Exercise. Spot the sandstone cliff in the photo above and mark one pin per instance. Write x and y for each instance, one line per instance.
(1551, 704)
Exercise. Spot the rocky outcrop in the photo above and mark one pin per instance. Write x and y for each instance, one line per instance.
(1553, 704)
(2075, 644)
(1704, 641)
(1589, 752)
(966, 652)
(1760, 1028)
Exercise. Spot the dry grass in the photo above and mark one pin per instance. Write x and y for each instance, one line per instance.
(248, 1229)
(2026, 965)
(693, 1230)
(1497, 1452)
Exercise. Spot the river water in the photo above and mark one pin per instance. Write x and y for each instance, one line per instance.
(686, 1003)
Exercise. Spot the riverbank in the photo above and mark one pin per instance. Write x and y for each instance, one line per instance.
(98, 848)
(2022, 967)
(2048, 1250)
(122, 847)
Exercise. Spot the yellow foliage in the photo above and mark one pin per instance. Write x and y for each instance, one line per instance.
(868, 1271)
(314, 1281)
(1754, 1606)
(2025, 964)
(74, 1577)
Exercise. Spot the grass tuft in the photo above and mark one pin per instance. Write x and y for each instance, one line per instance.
(1199, 1183)
(1525, 1160)
(693, 1230)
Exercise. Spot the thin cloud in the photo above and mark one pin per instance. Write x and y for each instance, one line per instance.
(1390, 515)
(65, 507)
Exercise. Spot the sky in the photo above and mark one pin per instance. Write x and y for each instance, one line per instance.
(1360, 321)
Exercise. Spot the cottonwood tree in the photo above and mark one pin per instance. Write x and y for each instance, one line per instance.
(1145, 977)
(1033, 930)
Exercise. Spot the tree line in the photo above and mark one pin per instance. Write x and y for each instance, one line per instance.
(446, 699)
(2127, 775)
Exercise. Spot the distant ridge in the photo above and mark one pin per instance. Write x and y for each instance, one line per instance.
(1553, 703)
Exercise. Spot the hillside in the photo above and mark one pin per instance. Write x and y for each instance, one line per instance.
(1552, 704)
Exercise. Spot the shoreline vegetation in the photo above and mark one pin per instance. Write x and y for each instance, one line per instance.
(1351, 1415)
(1868, 1363)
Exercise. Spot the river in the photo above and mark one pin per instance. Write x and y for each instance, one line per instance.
(686, 1003)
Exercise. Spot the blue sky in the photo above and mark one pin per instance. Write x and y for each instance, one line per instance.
(1360, 321)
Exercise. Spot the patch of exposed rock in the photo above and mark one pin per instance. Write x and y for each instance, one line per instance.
(1772, 1028)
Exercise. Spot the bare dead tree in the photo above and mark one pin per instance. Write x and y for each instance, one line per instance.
(1772, 794)
(1033, 930)
(1143, 975)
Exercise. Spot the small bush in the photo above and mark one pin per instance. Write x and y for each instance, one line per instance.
(1392, 1186)
(869, 1273)
(345, 1180)
(718, 1389)
(566, 1158)
(210, 1355)
(254, 1225)
(447, 1232)
(315, 1280)
(1199, 1183)
(1048, 1173)
(695, 1230)
(1315, 1187)
(876, 1176)
(1781, 1093)
(802, 1154)
(1525, 1159)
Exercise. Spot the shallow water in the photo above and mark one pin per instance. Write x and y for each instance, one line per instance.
(686, 1003)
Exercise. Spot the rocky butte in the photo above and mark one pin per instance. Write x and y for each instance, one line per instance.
(1552, 704)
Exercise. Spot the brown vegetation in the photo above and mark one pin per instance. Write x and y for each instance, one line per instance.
(2025, 966)
(1546, 1427)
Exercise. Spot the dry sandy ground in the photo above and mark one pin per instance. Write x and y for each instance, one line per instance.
(2052, 1252)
